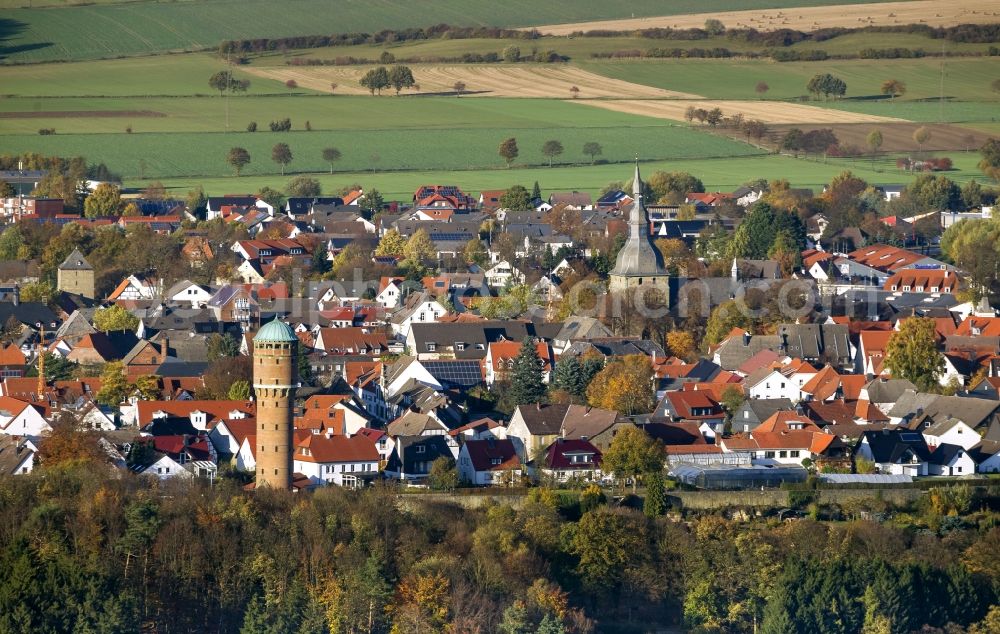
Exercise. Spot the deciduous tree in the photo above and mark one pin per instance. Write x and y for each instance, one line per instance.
(912, 353)
(114, 317)
(633, 454)
(239, 158)
(681, 343)
(282, 155)
(105, 200)
(552, 149)
(508, 150)
(894, 88)
(376, 79)
(592, 149)
(401, 77)
(331, 155)
(517, 198)
(391, 243)
(624, 385)
(874, 140)
(114, 387)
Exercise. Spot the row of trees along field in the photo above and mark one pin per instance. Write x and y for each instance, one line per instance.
(84, 551)
(281, 153)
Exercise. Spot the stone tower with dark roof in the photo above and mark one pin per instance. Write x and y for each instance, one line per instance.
(639, 263)
(76, 275)
(275, 359)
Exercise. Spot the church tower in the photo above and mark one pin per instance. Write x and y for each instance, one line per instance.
(275, 360)
(76, 275)
(639, 263)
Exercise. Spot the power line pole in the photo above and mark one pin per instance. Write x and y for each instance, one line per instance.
(941, 94)
(229, 83)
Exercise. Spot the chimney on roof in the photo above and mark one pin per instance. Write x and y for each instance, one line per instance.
(746, 338)
(17, 294)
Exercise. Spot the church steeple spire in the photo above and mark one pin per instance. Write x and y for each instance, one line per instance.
(636, 182)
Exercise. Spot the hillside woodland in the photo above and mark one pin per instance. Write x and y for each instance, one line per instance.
(82, 552)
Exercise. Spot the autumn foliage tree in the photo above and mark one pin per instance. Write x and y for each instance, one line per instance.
(912, 353)
(633, 454)
(624, 385)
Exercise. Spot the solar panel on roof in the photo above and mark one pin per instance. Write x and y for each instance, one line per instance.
(455, 373)
(910, 437)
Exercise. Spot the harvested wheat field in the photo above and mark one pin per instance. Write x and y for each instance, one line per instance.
(931, 12)
(766, 111)
(523, 80)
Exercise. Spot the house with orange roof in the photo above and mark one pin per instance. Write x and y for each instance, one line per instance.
(356, 341)
(449, 196)
(501, 355)
(13, 363)
(20, 418)
(871, 351)
(433, 213)
(348, 461)
(879, 262)
(390, 291)
(337, 411)
(828, 385)
(201, 413)
(973, 326)
(920, 280)
(489, 199)
(786, 438)
(135, 287)
(694, 406)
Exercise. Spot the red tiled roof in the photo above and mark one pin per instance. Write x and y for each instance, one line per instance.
(885, 258)
(923, 281)
(184, 409)
(322, 449)
(557, 456)
(492, 455)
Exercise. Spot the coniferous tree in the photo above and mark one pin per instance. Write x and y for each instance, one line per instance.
(526, 384)
(568, 375)
(655, 503)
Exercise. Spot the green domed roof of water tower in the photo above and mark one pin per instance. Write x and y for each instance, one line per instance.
(276, 331)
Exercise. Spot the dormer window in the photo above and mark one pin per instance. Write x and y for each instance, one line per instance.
(459, 346)
(431, 346)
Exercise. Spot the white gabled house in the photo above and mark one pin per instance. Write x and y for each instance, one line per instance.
(503, 274)
(18, 418)
(489, 462)
(350, 461)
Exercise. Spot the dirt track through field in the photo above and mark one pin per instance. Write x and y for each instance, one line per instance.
(508, 80)
(930, 12)
(766, 111)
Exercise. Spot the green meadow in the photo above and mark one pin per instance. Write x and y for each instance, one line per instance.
(966, 78)
(717, 174)
(173, 154)
(143, 28)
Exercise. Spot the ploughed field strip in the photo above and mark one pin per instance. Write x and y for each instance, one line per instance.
(543, 81)
(930, 12)
(766, 111)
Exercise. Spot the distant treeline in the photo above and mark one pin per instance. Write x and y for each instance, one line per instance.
(778, 55)
(440, 31)
(547, 57)
(774, 41)
(967, 33)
